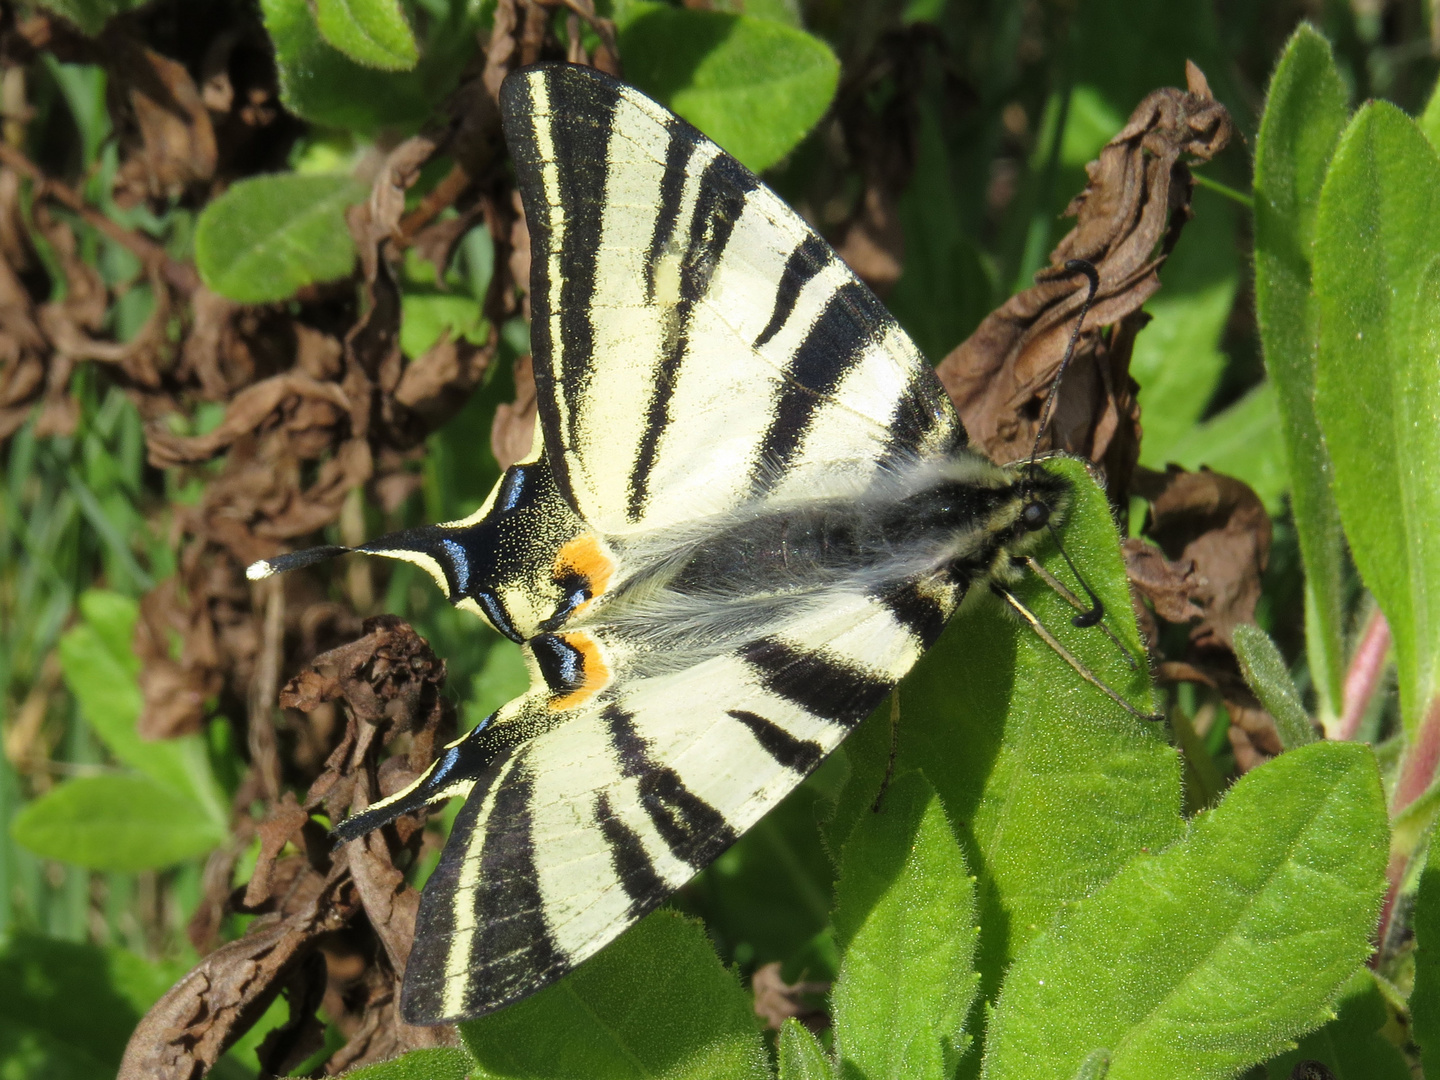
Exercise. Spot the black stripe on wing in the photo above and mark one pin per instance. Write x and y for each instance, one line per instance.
(798, 755)
(678, 152)
(919, 610)
(822, 685)
(578, 128)
(511, 952)
(693, 830)
(835, 343)
(804, 263)
(920, 413)
(723, 189)
(632, 863)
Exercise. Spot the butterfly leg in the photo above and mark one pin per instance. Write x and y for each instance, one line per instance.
(453, 773)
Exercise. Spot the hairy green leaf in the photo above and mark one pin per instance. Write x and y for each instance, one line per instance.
(321, 84)
(441, 1063)
(1096, 1065)
(1350, 1045)
(1425, 997)
(905, 916)
(116, 822)
(1430, 118)
(1212, 955)
(655, 1004)
(1050, 786)
(801, 1055)
(67, 1009)
(755, 86)
(1304, 113)
(370, 32)
(1377, 390)
(1265, 671)
(268, 236)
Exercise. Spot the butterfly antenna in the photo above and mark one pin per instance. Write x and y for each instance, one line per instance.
(261, 569)
(1072, 266)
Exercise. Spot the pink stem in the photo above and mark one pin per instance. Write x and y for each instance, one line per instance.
(1367, 668)
(1418, 767)
(1416, 771)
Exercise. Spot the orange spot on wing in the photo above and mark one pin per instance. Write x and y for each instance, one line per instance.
(584, 556)
(597, 672)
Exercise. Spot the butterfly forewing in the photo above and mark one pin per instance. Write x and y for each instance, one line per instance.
(695, 342)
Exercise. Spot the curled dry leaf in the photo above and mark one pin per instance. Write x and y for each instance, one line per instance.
(1213, 538)
(777, 1001)
(186, 1031)
(1128, 219)
(389, 683)
(23, 348)
(513, 431)
(166, 111)
(1217, 530)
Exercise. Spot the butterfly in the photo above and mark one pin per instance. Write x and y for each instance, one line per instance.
(749, 509)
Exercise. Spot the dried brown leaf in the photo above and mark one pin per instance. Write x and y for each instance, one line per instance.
(177, 142)
(777, 1001)
(1218, 527)
(290, 399)
(1128, 219)
(186, 1031)
(513, 430)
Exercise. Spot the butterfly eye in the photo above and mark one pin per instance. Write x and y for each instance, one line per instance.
(1034, 516)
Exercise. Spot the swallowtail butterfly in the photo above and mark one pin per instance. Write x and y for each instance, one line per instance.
(749, 509)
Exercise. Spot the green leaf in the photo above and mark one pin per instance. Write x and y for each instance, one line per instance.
(801, 1055)
(441, 1063)
(1096, 1066)
(1265, 671)
(655, 1004)
(116, 822)
(268, 236)
(1377, 391)
(905, 916)
(1425, 997)
(112, 616)
(90, 15)
(1214, 954)
(1304, 114)
(1350, 1045)
(370, 32)
(1430, 118)
(426, 315)
(100, 671)
(1177, 360)
(1243, 441)
(67, 1010)
(755, 86)
(945, 288)
(321, 84)
(1049, 785)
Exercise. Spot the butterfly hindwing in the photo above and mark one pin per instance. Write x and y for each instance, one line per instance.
(696, 344)
(578, 832)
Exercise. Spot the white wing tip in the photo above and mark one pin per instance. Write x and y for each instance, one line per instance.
(259, 570)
